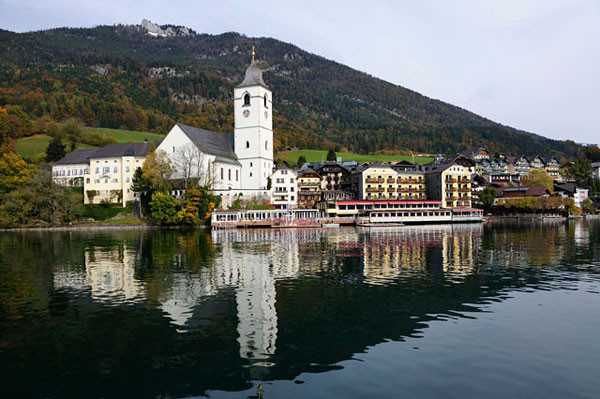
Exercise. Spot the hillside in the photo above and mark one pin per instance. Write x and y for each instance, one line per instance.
(35, 146)
(122, 77)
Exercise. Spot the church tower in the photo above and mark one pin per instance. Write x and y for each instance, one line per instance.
(253, 128)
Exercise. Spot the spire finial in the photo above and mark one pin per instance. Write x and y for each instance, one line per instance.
(253, 53)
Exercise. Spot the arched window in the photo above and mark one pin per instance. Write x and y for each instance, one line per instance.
(247, 99)
(265, 101)
(247, 144)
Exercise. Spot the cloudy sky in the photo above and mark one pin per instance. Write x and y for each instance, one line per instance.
(530, 64)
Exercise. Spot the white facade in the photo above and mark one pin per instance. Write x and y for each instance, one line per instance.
(187, 159)
(580, 195)
(596, 170)
(70, 175)
(253, 130)
(284, 189)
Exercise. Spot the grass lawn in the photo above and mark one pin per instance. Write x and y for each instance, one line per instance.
(125, 136)
(291, 157)
(29, 147)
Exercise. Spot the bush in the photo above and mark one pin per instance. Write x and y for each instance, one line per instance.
(164, 209)
(99, 212)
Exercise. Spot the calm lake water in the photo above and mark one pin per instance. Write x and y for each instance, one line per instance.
(464, 311)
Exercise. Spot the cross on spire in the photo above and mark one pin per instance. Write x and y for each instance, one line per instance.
(253, 53)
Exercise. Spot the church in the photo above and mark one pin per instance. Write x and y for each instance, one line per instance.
(237, 163)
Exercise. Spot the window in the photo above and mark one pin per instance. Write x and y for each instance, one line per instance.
(127, 169)
(222, 174)
(68, 172)
(105, 180)
(237, 175)
(115, 180)
(250, 164)
(265, 98)
(127, 179)
(115, 169)
(106, 169)
(250, 174)
(97, 181)
(173, 148)
(87, 180)
(291, 179)
(229, 174)
(266, 145)
(246, 99)
(247, 144)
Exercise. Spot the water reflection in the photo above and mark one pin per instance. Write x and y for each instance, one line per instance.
(230, 307)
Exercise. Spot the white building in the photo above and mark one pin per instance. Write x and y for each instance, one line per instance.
(578, 194)
(73, 168)
(596, 170)
(284, 188)
(237, 163)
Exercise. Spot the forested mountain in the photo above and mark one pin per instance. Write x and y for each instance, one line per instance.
(123, 77)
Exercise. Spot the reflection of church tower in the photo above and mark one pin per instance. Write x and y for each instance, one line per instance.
(257, 325)
(253, 128)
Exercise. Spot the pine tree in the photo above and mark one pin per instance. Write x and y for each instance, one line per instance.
(55, 150)
(331, 156)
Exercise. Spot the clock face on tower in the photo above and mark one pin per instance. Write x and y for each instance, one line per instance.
(246, 113)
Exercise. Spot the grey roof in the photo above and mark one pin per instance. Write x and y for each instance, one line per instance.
(77, 157)
(122, 149)
(219, 144)
(253, 76)
(596, 165)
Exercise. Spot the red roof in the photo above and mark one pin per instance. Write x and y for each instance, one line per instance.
(387, 202)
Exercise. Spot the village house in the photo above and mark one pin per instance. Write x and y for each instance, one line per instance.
(111, 170)
(284, 188)
(73, 168)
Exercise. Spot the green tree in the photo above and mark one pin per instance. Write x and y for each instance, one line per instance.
(157, 170)
(331, 156)
(55, 150)
(164, 209)
(539, 177)
(581, 171)
(301, 160)
(487, 197)
(72, 132)
(587, 206)
(269, 183)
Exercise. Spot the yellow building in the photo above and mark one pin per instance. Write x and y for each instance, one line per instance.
(381, 181)
(111, 170)
(449, 183)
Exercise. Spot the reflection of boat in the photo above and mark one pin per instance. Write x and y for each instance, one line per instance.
(365, 222)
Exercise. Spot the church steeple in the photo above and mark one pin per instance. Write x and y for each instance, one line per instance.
(253, 75)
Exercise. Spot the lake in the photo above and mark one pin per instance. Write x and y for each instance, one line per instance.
(465, 311)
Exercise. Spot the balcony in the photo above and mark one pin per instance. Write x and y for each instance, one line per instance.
(375, 189)
(309, 184)
(371, 180)
(391, 180)
(464, 181)
(465, 189)
(453, 198)
(450, 180)
(409, 181)
(451, 188)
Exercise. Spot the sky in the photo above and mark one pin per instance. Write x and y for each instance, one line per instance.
(529, 64)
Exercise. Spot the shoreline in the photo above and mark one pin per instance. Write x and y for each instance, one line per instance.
(84, 227)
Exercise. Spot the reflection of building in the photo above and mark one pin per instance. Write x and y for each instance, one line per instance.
(389, 253)
(109, 275)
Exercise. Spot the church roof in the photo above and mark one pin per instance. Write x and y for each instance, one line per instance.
(219, 144)
(253, 76)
